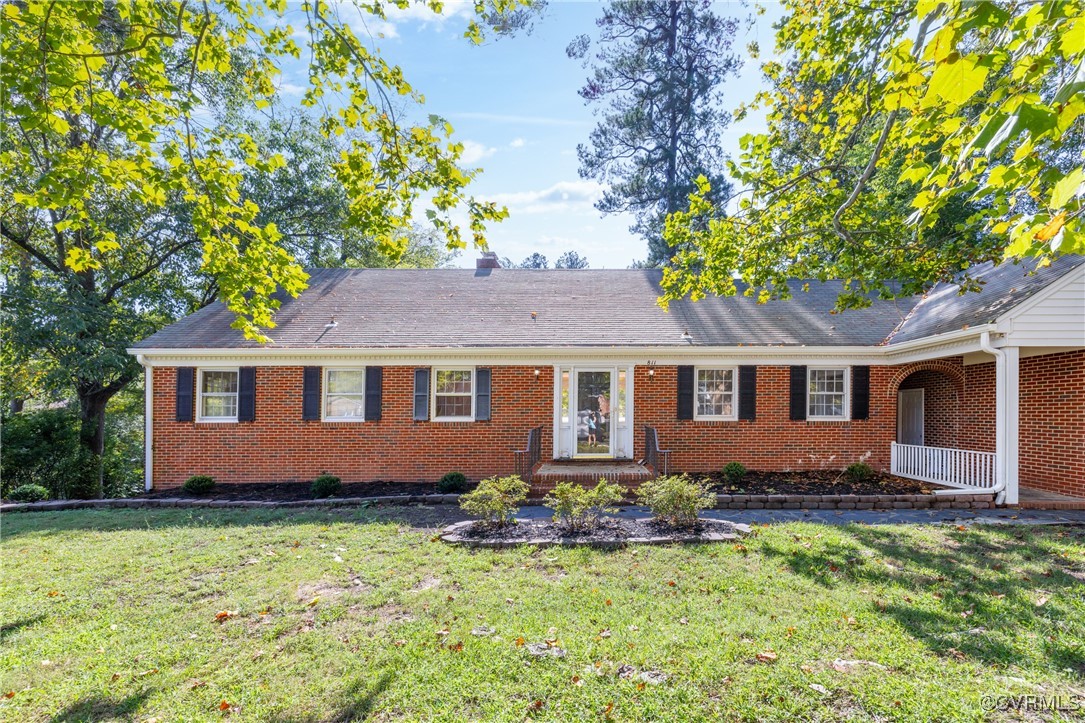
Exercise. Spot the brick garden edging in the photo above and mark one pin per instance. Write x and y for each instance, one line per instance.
(731, 531)
(855, 502)
(723, 502)
(139, 502)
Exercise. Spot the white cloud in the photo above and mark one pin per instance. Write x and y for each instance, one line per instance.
(564, 196)
(474, 152)
(517, 143)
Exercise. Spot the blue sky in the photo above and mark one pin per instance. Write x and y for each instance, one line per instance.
(514, 104)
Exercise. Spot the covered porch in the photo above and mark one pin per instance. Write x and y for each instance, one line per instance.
(957, 423)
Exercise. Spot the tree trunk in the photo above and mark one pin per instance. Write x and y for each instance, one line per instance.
(16, 405)
(91, 483)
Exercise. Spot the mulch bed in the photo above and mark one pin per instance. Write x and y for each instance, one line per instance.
(824, 482)
(298, 491)
(609, 531)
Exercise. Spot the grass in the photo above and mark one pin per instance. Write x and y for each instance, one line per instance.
(339, 615)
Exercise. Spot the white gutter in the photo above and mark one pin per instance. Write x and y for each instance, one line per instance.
(148, 422)
(1000, 416)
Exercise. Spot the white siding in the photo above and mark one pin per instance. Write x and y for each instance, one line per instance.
(1053, 317)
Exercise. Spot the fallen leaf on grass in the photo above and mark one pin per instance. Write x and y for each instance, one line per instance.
(9, 694)
(956, 653)
(519, 642)
(766, 657)
(604, 633)
(819, 688)
(225, 706)
(145, 673)
(53, 593)
(1041, 602)
(577, 681)
(608, 603)
(456, 647)
(313, 602)
(399, 643)
(224, 615)
(536, 705)
(608, 709)
(197, 684)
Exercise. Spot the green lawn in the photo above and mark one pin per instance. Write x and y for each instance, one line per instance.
(343, 614)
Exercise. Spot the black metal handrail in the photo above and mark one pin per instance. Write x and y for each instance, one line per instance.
(527, 458)
(653, 454)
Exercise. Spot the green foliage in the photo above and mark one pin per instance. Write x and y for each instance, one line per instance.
(658, 69)
(859, 472)
(452, 482)
(676, 499)
(733, 472)
(905, 142)
(326, 485)
(199, 484)
(495, 500)
(40, 447)
(28, 493)
(579, 508)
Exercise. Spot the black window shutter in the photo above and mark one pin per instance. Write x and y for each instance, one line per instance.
(246, 394)
(421, 394)
(860, 392)
(747, 392)
(685, 392)
(310, 393)
(482, 395)
(185, 385)
(798, 393)
(374, 378)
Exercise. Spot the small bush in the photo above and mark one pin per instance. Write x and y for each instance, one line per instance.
(733, 472)
(326, 485)
(676, 499)
(29, 493)
(579, 508)
(199, 484)
(859, 472)
(495, 500)
(452, 482)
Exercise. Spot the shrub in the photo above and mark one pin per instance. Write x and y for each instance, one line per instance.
(495, 500)
(29, 493)
(859, 472)
(199, 484)
(676, 499)
(579, 508)
(733, 472)
(326, 485)
(452, 482)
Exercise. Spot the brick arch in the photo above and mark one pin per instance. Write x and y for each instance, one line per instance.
(950, 369)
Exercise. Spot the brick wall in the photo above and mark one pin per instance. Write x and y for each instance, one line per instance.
(1052, 429)
(941, 406)
(280, 447)
(772, 441)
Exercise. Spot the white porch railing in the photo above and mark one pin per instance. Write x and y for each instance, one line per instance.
(960, 468)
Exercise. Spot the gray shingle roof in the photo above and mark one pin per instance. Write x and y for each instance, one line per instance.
(450, 308)
(403, 308)
(945, 309)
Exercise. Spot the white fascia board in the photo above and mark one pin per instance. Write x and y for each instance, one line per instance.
(933, 347)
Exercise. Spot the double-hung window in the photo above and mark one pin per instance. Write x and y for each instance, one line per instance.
(218, 395)
(716, 394)
(827, 394)
(453, 395)
(344, 395)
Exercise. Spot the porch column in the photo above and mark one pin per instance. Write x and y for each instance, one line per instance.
(1008, 410)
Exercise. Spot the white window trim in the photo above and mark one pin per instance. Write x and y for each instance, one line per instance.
(846, 416)
(324, 395)
(433, 394)
(200, 394)
(733, 416)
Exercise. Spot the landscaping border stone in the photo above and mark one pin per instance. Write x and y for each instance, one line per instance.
(723, 502)
(452, 535)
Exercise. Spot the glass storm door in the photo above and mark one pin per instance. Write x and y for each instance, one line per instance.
(593, 421)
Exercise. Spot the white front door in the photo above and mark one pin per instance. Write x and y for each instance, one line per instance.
(910, 416)
(593, 412)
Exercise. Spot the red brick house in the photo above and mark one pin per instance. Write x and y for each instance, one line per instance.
(408, 374)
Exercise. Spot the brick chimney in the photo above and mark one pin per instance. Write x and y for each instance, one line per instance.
(488, 260)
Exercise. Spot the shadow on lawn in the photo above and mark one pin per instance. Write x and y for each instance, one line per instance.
(102, 708)
(356, 702)
(419, 517)
(981, 597)
(8, 629)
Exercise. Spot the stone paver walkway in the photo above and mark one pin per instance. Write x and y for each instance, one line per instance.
(869, 517)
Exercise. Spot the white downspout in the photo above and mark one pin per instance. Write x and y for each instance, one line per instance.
(148, 422)
(1000, 416)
